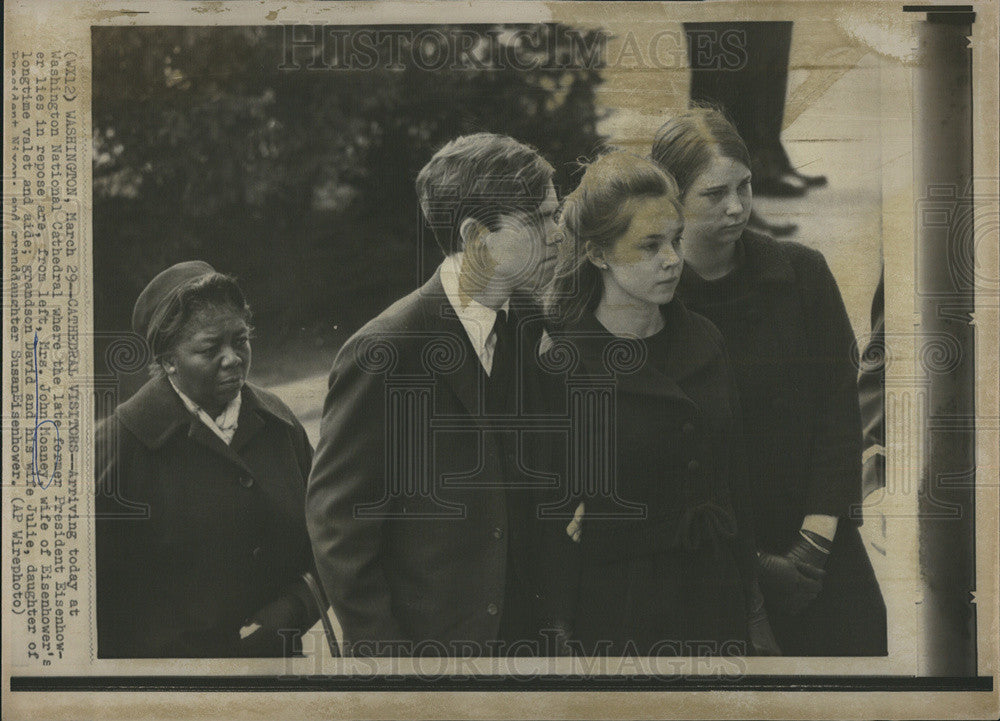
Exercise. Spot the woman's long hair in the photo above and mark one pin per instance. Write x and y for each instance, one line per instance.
(599, 212)
(687, 142)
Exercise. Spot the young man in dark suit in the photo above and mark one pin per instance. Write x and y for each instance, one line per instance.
(419, 501)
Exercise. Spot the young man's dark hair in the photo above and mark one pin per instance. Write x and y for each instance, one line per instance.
(481, 176)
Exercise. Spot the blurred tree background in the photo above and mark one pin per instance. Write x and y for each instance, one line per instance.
(208, 144)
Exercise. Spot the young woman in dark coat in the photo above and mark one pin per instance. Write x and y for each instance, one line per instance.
(664, 562)
(202, 548)
(791, 345)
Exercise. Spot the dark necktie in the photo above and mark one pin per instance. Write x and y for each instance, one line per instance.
(500, 386)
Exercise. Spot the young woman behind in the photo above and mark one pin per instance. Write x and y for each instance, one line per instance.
(791, 344)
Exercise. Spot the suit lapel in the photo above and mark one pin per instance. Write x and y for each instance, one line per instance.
(466, 380)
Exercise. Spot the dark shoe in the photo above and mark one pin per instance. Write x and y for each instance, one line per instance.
(783, 185)
(782, 165)
(811, 181)
(778, 230)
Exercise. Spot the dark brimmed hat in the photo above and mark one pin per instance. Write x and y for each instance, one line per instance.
(163, 289)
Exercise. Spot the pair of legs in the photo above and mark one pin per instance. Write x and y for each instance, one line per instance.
(743, 67)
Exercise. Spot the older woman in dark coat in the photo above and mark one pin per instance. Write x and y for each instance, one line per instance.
(664, 563)
(791, 344)
(202, 548)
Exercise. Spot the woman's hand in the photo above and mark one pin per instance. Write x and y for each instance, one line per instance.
(262, 635)
(788, 583)
(249, 630)
(574, 529)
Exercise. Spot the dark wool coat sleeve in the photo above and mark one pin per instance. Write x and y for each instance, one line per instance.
(558, 558)
(115, 547)
(739, 483)
(559, 578)
(834, 479)
(349, 471)
(306, 604)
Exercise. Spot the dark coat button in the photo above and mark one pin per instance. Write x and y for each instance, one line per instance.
(493, 609)
(693, 465)
(258, 553)
(688, 428)
(498, 533)
(246, 480)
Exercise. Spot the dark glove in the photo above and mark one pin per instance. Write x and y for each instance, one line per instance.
(762, 640)
(284, 613)
(789, 584)
(812, 554)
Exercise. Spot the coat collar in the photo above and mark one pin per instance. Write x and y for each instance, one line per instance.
(604, 355)
(765, 259)
(156, 413)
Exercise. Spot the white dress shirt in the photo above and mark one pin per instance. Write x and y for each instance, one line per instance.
(477, 319)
